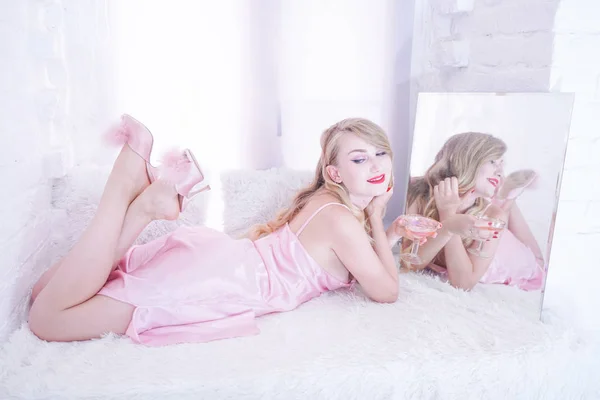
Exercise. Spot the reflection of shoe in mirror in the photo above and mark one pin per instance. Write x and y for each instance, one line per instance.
(515, 183)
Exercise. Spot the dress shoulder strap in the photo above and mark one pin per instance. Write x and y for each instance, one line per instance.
(315, 213)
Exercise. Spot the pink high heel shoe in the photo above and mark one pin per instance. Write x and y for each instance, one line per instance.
(177, 167)
(138, 137)
(183, 170)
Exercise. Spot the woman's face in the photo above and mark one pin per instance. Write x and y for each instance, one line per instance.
(489, 177)
(364, 169)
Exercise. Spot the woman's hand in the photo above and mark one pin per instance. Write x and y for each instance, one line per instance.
(398, 229)
(446, 197)
(377, 205)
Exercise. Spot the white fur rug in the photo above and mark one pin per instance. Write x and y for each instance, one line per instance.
(435, 342)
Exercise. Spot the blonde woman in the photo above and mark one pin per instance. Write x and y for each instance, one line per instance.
(197, 284)
(464, 181)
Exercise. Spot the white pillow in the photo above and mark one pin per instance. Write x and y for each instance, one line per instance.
(255, 196)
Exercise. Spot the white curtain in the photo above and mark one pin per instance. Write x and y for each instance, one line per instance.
(178, 68)
(252, 84)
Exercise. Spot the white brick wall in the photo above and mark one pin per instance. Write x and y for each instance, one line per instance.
(483, 45)
(50, 91)
(26, 103)
(537, 45)
(575, 273)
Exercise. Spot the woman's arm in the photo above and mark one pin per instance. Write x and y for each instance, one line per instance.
(453, 225)
(464, 269)
(465, 274)
(372, 265)
(382, 248)
(432, 247)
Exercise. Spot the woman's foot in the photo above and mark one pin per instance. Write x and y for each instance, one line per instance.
(131, 170)
(131, 131)
(132, 134)
(159, 201)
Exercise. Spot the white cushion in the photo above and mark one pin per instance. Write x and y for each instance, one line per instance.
(255, 197)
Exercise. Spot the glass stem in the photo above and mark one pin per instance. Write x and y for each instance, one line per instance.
(480, 246)
(415, 248)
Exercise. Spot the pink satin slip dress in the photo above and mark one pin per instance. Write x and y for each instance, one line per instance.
(197, 284)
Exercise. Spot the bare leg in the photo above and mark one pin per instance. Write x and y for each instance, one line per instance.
(43, 281)
(86, 267)
(134, 223)
(153, 204)
(121, 249)
(158, 201)
(102, 314)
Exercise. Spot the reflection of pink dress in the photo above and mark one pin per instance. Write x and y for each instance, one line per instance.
(514, 264)
(197, 284)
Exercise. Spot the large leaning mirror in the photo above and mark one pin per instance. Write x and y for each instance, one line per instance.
(485, 172)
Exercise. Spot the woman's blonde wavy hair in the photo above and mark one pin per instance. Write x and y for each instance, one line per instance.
(364, 129)
(461, 156)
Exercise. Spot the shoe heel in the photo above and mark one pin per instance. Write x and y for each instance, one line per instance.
(185, 200)
(183, 170)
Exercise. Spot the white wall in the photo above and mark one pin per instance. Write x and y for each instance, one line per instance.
(50, 88)
(572, 286)
(267, 77)
(538, 45)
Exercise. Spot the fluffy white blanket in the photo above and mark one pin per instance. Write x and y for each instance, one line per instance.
(435, 342)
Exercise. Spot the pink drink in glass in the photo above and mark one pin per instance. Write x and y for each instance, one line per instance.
(419, 227)
(482, 230)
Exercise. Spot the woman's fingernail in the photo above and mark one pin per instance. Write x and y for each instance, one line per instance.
(495, 237)
(489, 223)
(389, 188)
(495, 233)
(473, 191)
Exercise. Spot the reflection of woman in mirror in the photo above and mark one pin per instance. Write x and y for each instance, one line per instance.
(464, 182)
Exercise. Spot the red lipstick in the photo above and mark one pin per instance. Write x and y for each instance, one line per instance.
(377, 179)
